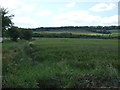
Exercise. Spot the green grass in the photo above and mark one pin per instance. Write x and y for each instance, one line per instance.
(61, 63)
(114, 31)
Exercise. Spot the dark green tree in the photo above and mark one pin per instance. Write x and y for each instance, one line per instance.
(27, 34)
(6, 20)
(13, 33)
(21, 33)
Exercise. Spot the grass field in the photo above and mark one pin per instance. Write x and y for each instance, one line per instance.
(78, 32)
(61, 63)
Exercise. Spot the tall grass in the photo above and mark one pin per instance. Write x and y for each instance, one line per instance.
(61, 63)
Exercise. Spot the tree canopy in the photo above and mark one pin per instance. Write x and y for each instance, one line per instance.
(6, 20)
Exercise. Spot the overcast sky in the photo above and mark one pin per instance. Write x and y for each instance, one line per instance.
(47, 13)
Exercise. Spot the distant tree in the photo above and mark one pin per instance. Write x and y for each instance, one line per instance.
(99, 27)
(27, 34)
(13, 33)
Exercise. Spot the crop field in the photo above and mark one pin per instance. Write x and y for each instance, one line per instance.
(61, 63)
(79, 32)
(69, 31)
(115, 32)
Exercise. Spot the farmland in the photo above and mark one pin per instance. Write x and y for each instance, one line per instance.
(61, 63)
(77, 33)
(40, 51)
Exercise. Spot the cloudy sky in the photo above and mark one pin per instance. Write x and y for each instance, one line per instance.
(47, 13)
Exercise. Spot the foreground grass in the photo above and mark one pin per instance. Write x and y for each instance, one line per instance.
(61, 63)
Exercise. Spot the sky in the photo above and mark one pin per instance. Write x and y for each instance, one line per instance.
(55, 13)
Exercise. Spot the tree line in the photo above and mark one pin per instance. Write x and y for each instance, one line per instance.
(16, 33)
(96, 29)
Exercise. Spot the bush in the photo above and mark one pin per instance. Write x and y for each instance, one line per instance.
(25, 34)
(13, 33)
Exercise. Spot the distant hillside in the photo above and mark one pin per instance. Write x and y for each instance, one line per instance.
(77, 29)
(77, 32)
